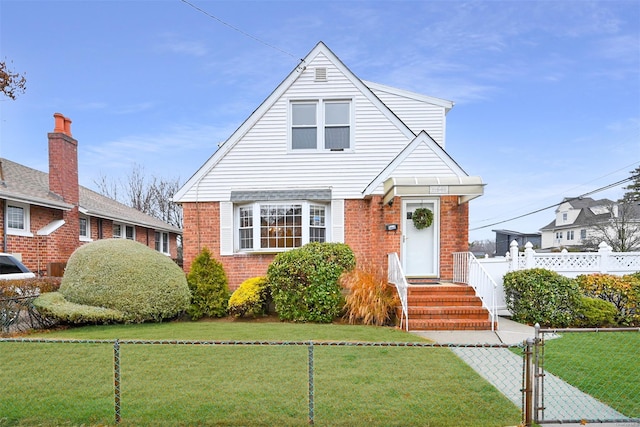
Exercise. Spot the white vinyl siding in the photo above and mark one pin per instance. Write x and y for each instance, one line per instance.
(416, 114)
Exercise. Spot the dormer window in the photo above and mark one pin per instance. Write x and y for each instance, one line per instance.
(321, 125)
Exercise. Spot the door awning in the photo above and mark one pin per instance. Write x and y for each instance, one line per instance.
(466, 187)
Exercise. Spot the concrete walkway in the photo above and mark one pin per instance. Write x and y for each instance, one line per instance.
(503, 369)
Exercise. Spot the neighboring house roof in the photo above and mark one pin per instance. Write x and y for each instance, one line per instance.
(516, 233)
(591, 211)
(23, 184)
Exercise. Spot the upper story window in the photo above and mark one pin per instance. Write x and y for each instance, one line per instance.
(162, 242)
(280, 226)
(321, 125)
(564, 216)
(121, 231)
(17, 219)
(85, 227)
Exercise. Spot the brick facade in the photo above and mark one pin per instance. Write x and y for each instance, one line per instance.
(365, 233)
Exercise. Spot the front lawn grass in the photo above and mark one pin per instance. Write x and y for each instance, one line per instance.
(604, 365)
(49, 384)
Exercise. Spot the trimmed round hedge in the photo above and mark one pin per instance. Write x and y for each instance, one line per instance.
(126, 276)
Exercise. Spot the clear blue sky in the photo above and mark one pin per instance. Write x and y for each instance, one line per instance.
(547, 93)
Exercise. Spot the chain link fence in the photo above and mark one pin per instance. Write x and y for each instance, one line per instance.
(586, 376)
(133, 382)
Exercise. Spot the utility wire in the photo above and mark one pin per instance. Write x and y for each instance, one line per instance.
(244, 33)
(606, 187)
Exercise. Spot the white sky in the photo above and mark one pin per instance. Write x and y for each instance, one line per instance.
(547, 93)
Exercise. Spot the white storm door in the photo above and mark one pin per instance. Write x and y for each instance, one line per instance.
(420, 248)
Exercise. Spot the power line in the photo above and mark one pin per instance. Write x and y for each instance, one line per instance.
(244, 33)
(606, 187)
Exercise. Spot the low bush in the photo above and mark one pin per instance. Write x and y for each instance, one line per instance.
(595, 313)
(209, 287)
(54, 304)
(370, 299)
(124, 276)
(27, 287)
(304, 281)
(252, 297)
(541, 296)
(622, 291)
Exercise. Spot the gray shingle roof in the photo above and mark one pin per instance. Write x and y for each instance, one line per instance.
(24, 184)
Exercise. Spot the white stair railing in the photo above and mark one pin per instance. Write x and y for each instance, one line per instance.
(395, 276)
(467, 270)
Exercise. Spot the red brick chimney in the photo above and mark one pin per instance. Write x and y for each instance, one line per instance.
(63, 161)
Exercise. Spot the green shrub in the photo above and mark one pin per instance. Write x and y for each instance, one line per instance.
(541, 296)
(304, 281)
(125, 276)
(17, 311)
(622, 291)
(370, 299)
(54, 304)
(209, 287)
(26, 287)
(595, 313)
(252, 297)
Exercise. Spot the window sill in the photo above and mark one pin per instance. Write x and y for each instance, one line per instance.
(19, 233)
(86, 239)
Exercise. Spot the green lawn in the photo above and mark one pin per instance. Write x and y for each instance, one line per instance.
(605, 365)
(49, 384)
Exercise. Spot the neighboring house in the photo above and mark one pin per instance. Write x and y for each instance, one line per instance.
(505, 237)
(574, 221)
(45, 217)
(328, 157)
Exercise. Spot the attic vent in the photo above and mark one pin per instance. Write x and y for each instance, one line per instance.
(321, 74)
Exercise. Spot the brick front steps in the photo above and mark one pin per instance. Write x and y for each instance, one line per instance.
(445, 307)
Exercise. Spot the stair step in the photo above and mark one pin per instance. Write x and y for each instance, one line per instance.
(449, 325)
(444, 300)
(466, 313)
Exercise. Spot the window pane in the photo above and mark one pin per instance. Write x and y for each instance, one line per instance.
(117, 231)
(83, 227)
(336, 113)
(246, 228)
(130, 232)
(317, 231)
(280, 226)
(336, 137)
(303, 114)
(302, 138)
(165, 243)
(158, 241)
(15, 217)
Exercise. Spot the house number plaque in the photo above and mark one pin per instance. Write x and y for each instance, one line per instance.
(439, 189)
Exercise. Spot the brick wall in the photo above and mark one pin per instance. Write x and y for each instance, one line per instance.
(454, 233)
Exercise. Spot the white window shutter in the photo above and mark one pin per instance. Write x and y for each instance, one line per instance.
(226, 228)
(337, 221)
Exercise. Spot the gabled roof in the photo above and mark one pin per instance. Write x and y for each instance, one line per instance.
(23, 184)
(446, 104)
(320, 48)
(422, 138)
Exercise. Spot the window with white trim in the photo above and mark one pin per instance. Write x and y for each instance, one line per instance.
(583, 234)
(17, 218)
(122, 231)
(277, 226)
(162, 242)
(321, 125)
(85, 227)
(570, 235)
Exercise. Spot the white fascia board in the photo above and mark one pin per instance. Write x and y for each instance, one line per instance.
(36, 201)
(423, 137)
(446, 104)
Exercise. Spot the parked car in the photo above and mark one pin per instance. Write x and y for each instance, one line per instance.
(11, 268)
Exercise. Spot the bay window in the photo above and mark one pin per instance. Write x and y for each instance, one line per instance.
(277, 226)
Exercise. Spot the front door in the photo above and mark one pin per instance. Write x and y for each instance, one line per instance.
(420, 247)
